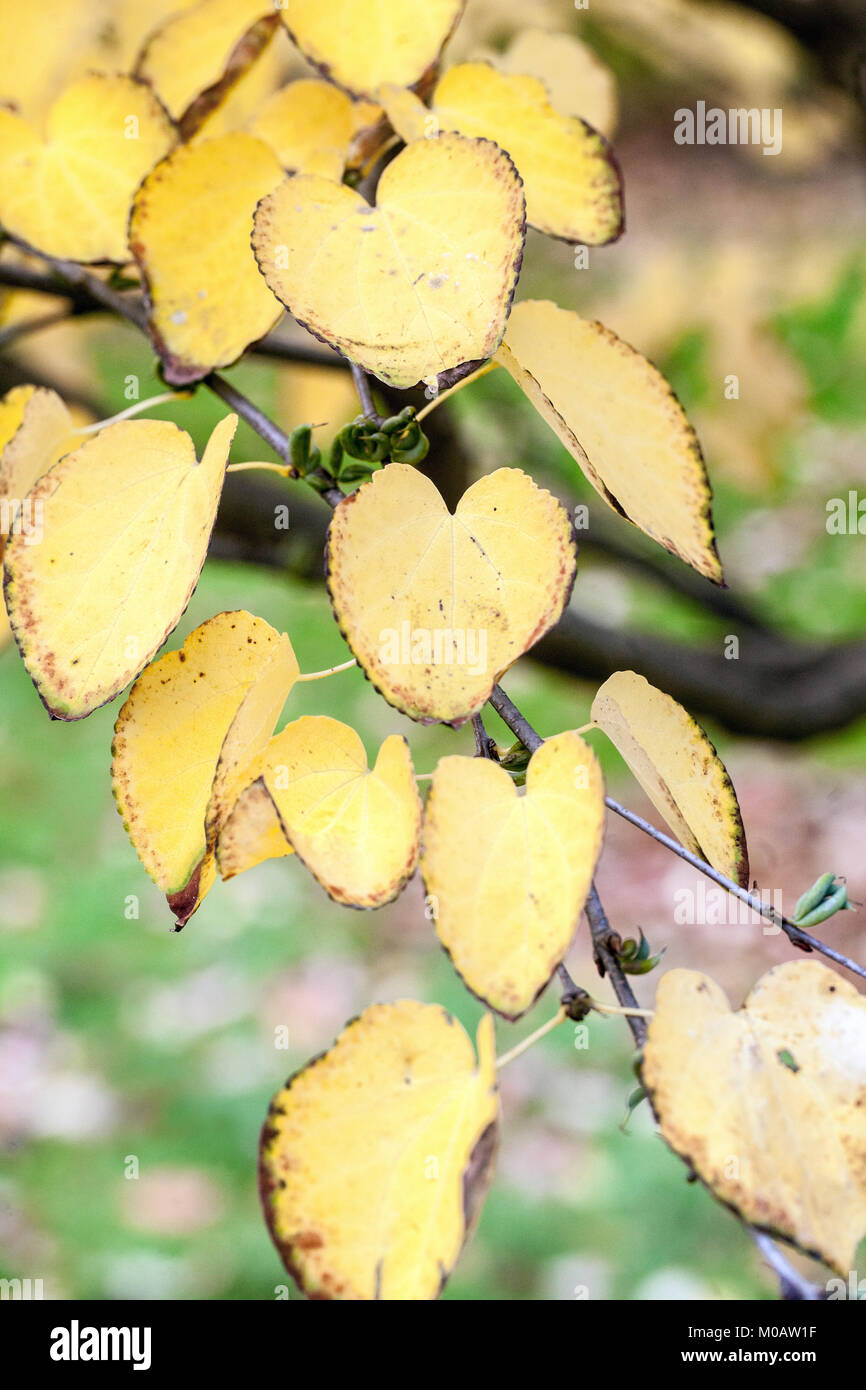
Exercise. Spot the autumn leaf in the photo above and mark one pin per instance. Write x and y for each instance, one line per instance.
(68, 195)
(404, 291)
(678, 768)
(125, 521)
(572, 184)
(644, 460)
(207, 300)
(767, 1104)
(360, 46)
(436, 606)
(508, 874)
(375, 1158)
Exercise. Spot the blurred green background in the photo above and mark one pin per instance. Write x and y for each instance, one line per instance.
(120, 1041)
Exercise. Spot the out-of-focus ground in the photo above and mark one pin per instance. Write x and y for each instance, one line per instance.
(124, 1048)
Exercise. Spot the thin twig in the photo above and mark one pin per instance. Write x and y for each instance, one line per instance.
(365, 395)
(24, 327)
(606, 960)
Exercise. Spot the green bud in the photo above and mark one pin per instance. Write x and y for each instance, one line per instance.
(821, 901)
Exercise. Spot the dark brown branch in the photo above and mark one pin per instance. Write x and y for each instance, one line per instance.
(605, 944)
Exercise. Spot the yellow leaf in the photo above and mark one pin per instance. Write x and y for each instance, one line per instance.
(250, 733)
(357, 829)
(376, 1158)
(767, 1104)
(207, 300)
(69, 194)
(435, 607)
(195, 58)
(359, 46)
(578, 83)
(417, 288)
(125, 522)
(508, 874)
(309, 125)
(572, 184)
(679, 769)
(645, 459)
(170, 734)
(252, 832)
(36, 428)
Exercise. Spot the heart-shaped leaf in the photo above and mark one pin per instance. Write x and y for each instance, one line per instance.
(124, 526)
(376, 1157)
(678, 768)
(356, 828)
(645, 459)
(36, 429)
(359, 46)
(768, 1104)
(508, 874)
(572, 184)
(190, 234)
(435, 607)
(418, 287)
(69, 194)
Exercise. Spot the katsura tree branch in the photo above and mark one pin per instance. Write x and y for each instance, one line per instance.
(365, 394)
(604, 944)
(520, 726)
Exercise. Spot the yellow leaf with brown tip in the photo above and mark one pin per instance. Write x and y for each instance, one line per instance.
(376, 1157)
(170, 734)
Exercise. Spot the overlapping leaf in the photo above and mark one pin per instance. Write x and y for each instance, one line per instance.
(171, 734)
(356, 828)
(508, 874)
(309, 125)
(69, 194)
(768, 1104)
(678, 768)
(125, 522)
(417, 288)
(360, 46)
(195, 58)
(435, 607)
(375, 1158)
(572, 184)
(578, 82)
(190, 233)
(643, 457)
